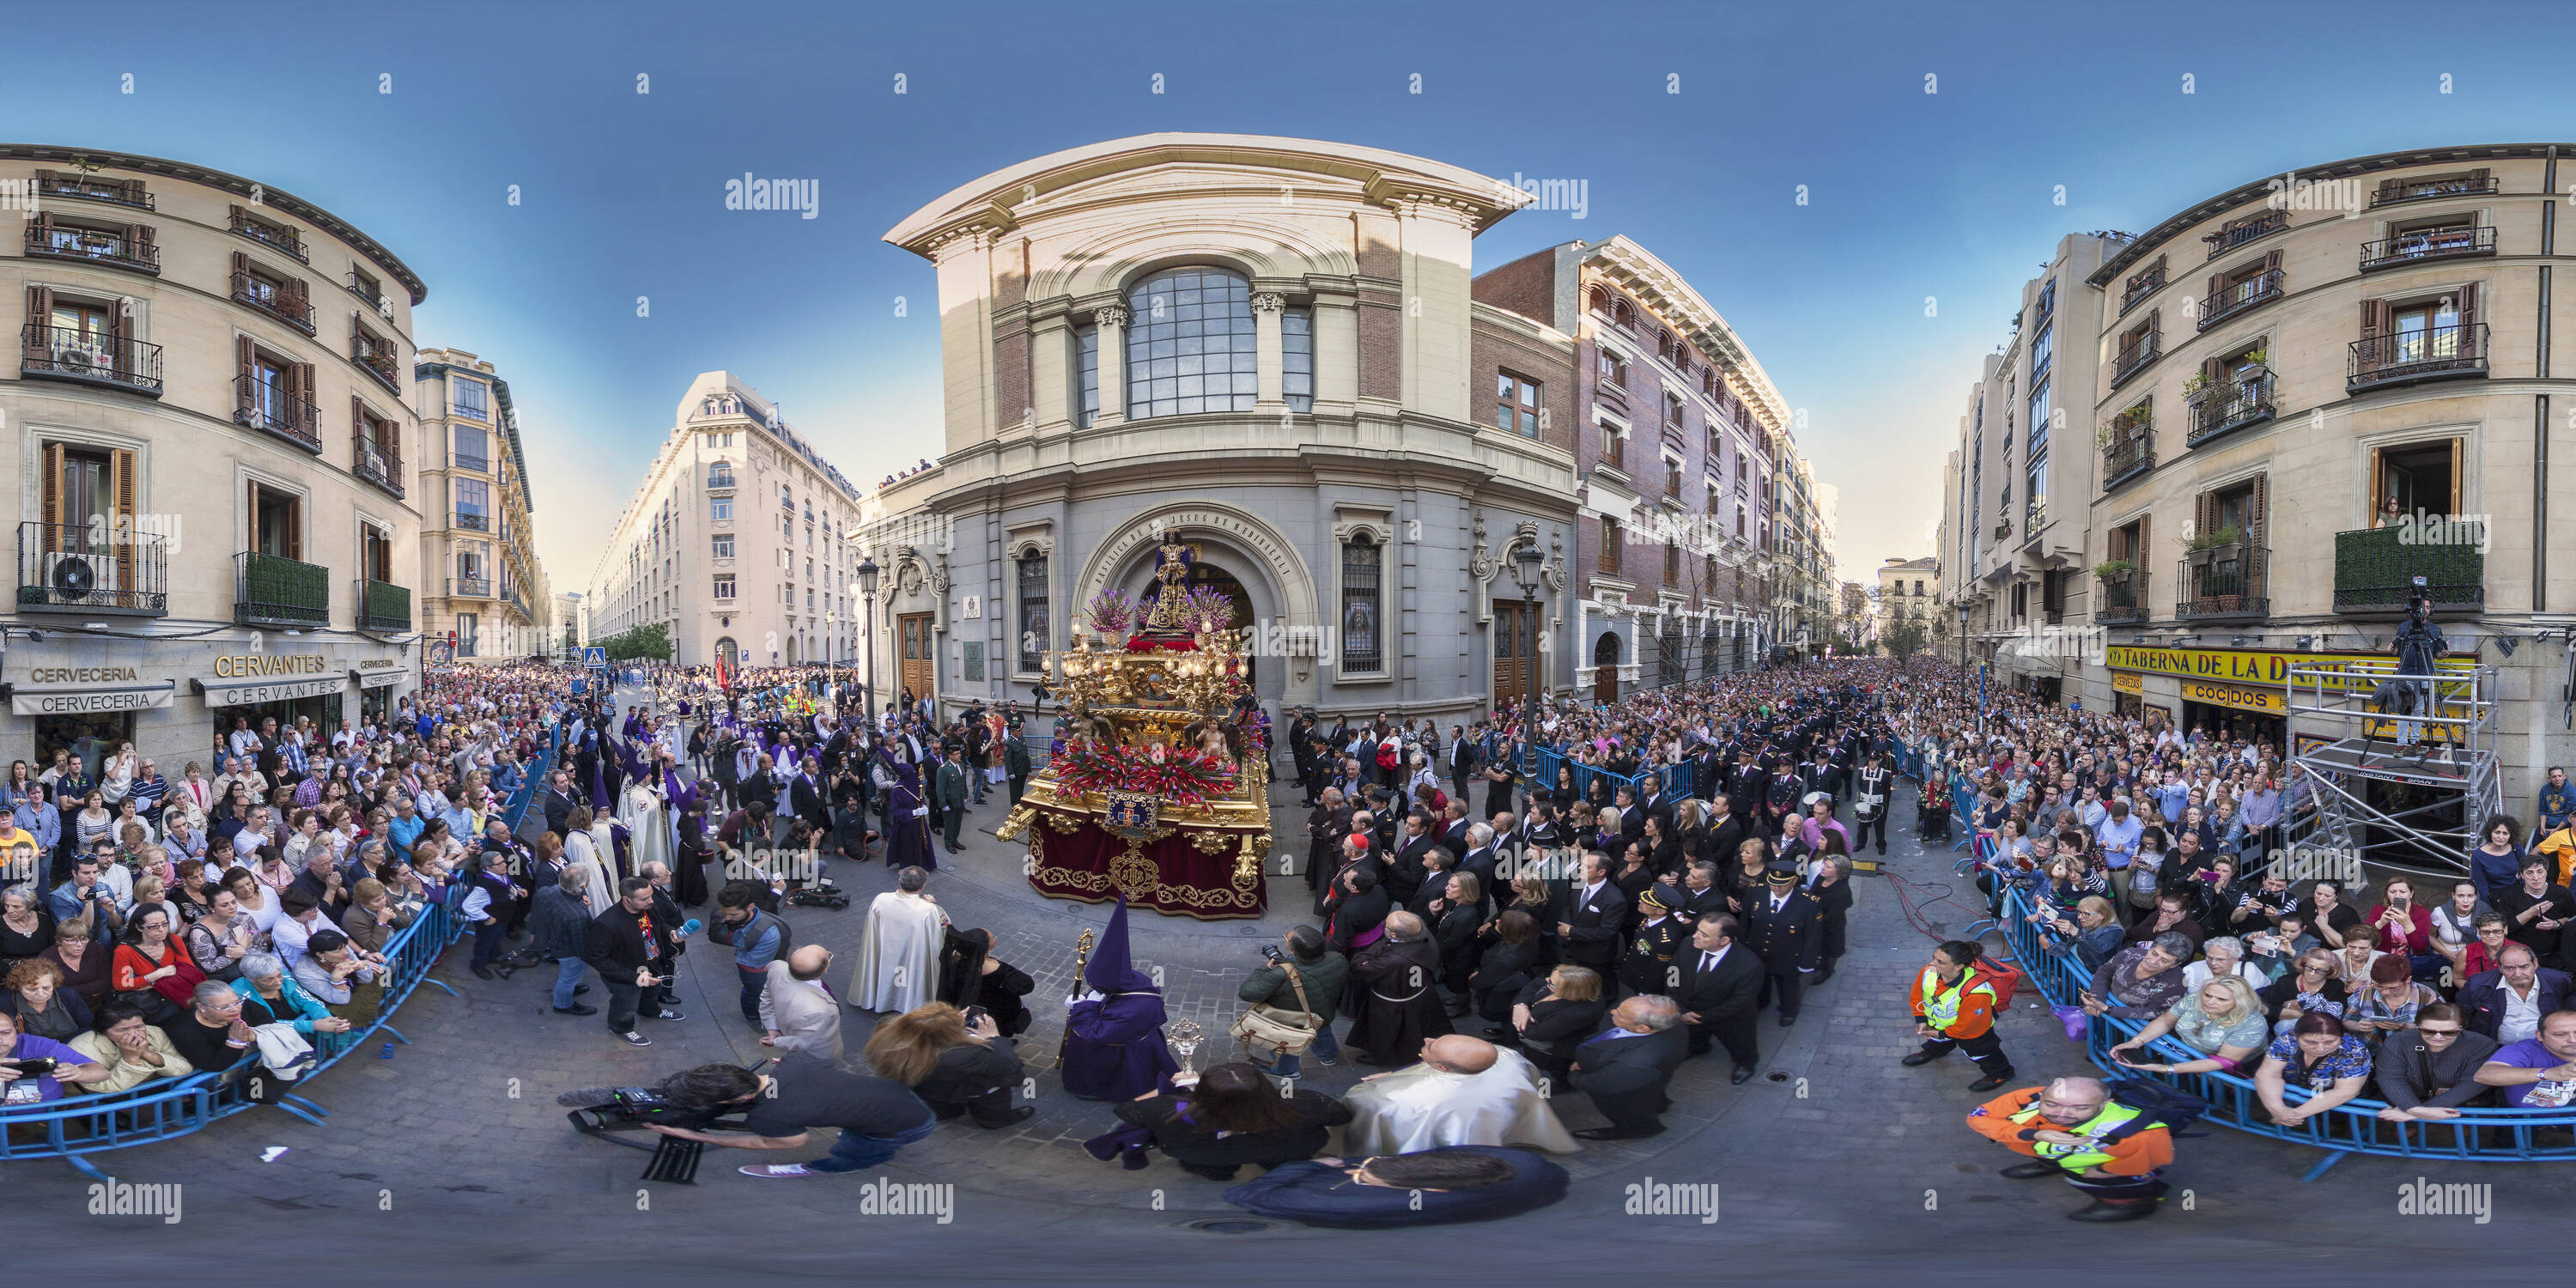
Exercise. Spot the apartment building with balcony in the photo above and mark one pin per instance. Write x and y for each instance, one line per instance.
(2015, 528)
(2359, 384)
(488, 596)
(735, 540)
(1675, 426)
(214, 515)
(1908, 590)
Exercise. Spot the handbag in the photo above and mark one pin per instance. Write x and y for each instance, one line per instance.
(1281, 1032)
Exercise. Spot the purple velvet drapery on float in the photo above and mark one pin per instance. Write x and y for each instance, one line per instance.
(1173, 875)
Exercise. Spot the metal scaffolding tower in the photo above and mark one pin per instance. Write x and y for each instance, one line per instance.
(2447, 755)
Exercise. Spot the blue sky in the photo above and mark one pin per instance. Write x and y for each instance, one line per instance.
(1950, 195)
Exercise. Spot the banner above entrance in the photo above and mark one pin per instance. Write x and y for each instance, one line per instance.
(243, 695)
(2244, 666)
(69, 702)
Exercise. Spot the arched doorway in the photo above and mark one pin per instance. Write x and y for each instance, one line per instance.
(1707, 649)
(1605, 667)
(1216, 578)
(728, 652)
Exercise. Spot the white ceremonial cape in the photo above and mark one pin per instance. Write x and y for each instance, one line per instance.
(898, 954)
(579, 849)
(1420, 1108)
(648, 826)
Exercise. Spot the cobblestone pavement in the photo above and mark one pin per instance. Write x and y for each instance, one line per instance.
(451, 1159)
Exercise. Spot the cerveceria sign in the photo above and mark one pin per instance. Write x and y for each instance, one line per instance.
(253, 665)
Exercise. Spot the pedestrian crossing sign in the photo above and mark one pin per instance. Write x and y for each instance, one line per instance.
(595, 657)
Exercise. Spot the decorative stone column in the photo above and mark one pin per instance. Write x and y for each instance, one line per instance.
(1269, 351)
(1112, 321)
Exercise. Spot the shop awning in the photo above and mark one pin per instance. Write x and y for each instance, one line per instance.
(252, 692)
(66, 702)
(381, 678)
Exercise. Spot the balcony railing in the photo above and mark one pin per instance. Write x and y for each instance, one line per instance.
(2431, 189)
(2124, 600)
(2034, 515)
(2409, 357)
(274, 300)
(370, 291)
(2230, 403)
(718, 480)
(2375, 569)
(2430, 244)
(379, 360)
(261, 404)
(469, 588)
(122, 192)
(70, 567)
(2227, 239)
(383, 606)
(66, 353)
(2146, 285)
(92, 247)
(272, 590)
(2223, 582)
(2134, 359)
(282, 240)
(2130, 453)
(374, 464)
(477, 522)
(2262, 288)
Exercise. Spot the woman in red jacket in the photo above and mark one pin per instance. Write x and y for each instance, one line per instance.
(150, 958)
(2405, 928)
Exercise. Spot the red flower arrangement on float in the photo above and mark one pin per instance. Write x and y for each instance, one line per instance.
(1183, 775)
(1140, 644)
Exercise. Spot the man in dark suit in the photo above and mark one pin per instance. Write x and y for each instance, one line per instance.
(1453, 829)
(949, 790)
(1595, 919)
(2520, 979)
(1404, 876)
(1460, 761)
(1703, 892)
(1627, 1067)
(1655, 805)
(807, 800)
(1720, 990)
(1015, 760)
(1481, 857)
(1784, 929)
(1726, 830)
(559, 803)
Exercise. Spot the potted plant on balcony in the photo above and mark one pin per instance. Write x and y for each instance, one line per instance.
(2114, 572)
(2220, 545)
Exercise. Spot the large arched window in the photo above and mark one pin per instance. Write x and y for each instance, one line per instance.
(1190, 344)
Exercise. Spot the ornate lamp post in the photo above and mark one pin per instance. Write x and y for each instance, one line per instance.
(1528, 569)
(868, 631)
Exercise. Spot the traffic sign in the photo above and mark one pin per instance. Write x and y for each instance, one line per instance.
(595, 657)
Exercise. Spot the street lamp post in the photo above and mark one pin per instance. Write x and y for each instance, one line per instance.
(1528, 570)
(868, 629)
(1963, 664)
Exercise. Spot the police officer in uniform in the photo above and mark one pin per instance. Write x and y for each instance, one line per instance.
(1782, 927)
(1869, 813)
(1649, 964)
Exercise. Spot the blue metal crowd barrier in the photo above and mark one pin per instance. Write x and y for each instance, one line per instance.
(2354, 1127)
(78, 1126)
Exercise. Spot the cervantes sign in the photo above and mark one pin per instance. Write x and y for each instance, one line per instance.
(2242, 666)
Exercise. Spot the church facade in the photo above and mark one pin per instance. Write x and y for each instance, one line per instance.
(1271, 350)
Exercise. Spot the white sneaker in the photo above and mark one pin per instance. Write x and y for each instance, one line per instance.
(775, 1171)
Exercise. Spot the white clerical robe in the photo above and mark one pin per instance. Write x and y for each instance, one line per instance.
(898, 954)
(579, 849)
(1420, 1108)
(648, 826)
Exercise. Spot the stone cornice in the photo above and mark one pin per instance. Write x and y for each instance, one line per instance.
(1636, 270)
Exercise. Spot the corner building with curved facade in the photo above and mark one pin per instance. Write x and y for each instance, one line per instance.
(1272, 348)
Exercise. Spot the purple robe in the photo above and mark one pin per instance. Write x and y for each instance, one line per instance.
(1114, 1048)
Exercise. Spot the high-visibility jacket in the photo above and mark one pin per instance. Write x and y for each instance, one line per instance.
(2012, 1120)
(1962, 1010)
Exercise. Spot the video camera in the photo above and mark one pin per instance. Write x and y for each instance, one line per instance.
(604, 1112)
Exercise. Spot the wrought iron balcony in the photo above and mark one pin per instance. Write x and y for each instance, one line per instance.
(2124, 600)
(81, 187)
(2227, 239)
(2134, 359)
(88, 246)
(75, 568)
(66, 353)
(2130, 453)
(272, 590)
(283, 303)
(2430, 244)
(2375, 569)
(2260, 289)
(366, 289)
(370, 461)
(383, 606)
(282, 240)
(379, 359)
(2222, 583)
(469, 588)
(2412, 357)
(261, 404)
(2146, 285)
(2230, 403)
(719, 479)
(2433, 189)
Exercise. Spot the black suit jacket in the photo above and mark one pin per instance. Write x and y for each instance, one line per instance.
(805, 797)
(1599, 923)
(558, 812)
(1453, 838)
(1639, 1064)
(2483, 997)
(1729, 992)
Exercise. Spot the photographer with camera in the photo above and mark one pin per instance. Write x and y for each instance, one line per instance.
(1313, 967)
(631, 950)
(876, 1117)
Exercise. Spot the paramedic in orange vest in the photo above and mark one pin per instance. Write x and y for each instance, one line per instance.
(2073, 1128)
(1954, 1006)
